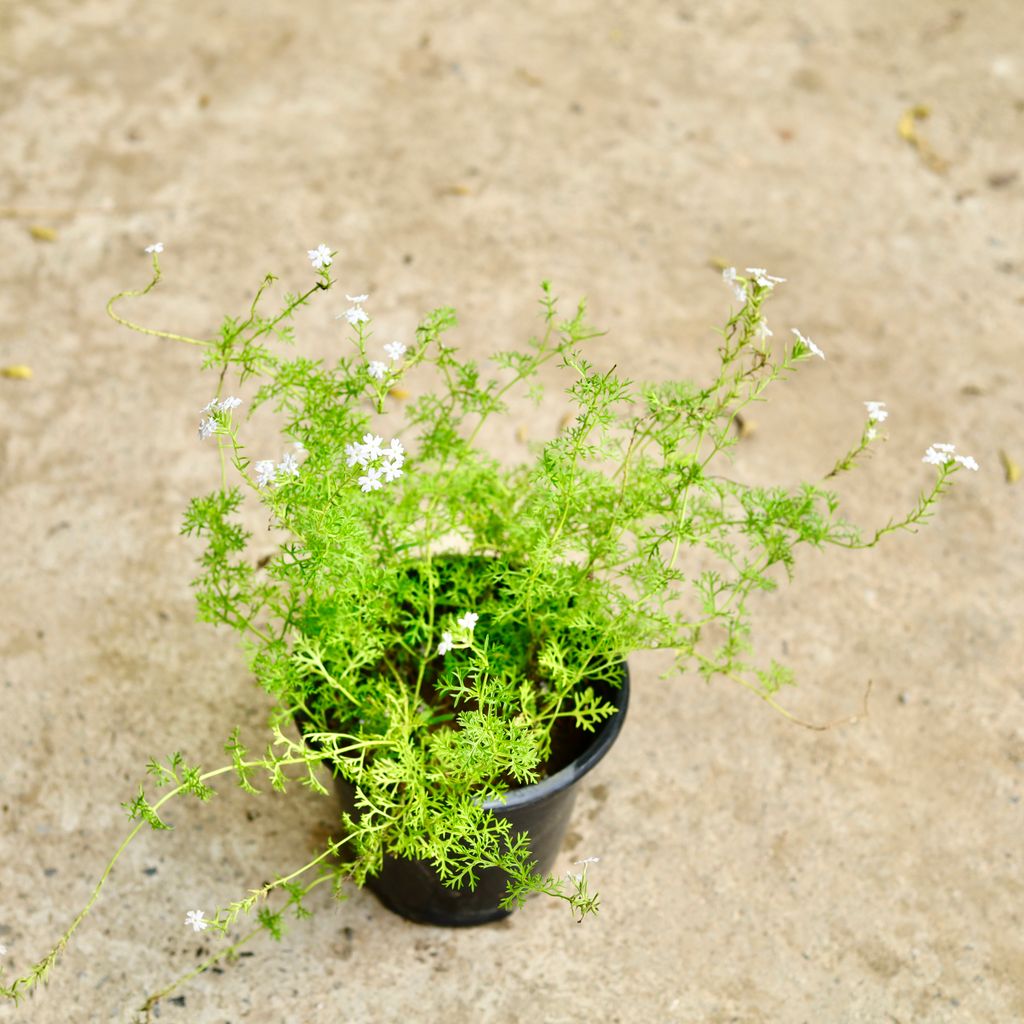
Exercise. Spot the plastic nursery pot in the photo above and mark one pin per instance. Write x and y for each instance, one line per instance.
(412, 888)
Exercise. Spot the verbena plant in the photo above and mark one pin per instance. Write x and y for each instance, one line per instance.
(432, 612)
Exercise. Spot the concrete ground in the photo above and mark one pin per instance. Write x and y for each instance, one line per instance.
(752, 872)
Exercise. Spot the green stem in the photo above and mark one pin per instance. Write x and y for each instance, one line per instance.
(138, 293)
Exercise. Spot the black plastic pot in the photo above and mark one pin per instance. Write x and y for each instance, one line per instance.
(411, 887)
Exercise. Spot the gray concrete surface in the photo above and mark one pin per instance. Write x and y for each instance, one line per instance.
(752, 872)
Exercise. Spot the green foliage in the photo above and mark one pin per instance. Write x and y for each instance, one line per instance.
(621, 533)
(433, 631)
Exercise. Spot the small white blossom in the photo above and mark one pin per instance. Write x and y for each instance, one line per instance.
(468, 621)
(395, 451)
(356, 454)
(763, 278)
(944, 447)
(357, 299)
(298, 446)
(446, 643)
(289, 465)
(372, 446)
(871, 433)
(371, 481)
(266, 472)
(195, 919)
(877, 411)
(391, 470)
(355, 315)
(968, 462)
(377, 370)
(222, 404)
(207, 427)
(738, 289)
(320, 257)
(395, 350)
(807, 343)
(155, 247)
(3, 949)
(589, 860)
(763, 333)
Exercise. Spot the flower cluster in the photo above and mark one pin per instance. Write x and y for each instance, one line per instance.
(739, 284)
(379, 370)
(268, 472)
(877, 413)
(763, 278)
(355, 314)
(940, 454)
(467, 623)
(370, 451)
(208, 426)
(155, 247)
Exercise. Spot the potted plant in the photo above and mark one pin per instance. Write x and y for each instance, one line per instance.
(445, 632)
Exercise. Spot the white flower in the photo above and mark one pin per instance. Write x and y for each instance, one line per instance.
(155, 247)
(377, 370)
(968, 462)
(372, 446)
(355, 315)
(808, 344)
(207, 427)
(763, 278)
(320, 257)
(395, 451)
(877, 412)
(298, 446)
(391, 470)
(266, 472)
(589, 860)
(944, 447)
(395, 350)
(222, 404)
(871, 433)
(468, 621)
(739, 290)
(357, 299)
(934, 457)
(763, 333)
(3, 949)
(371, 482)
(356, 453)
(289, 465)
(195, 919)
(446, 643)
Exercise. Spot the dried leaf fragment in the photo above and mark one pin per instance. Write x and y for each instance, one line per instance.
(1010, 468)
(400, 393)
(16, 372)
(744, 427)
(908, 132)
(42, 234)
(529, 77)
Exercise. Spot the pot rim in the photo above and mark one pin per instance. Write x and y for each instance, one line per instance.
(604, 737)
